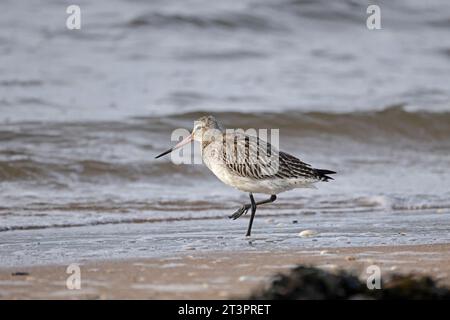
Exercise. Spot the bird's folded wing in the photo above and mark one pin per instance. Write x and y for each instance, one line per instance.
(252, 157)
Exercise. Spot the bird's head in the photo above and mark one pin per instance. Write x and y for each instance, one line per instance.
(205, 129)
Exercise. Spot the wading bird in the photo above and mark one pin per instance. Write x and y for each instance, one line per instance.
(249, 164)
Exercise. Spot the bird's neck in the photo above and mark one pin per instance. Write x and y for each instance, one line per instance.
(205, 143)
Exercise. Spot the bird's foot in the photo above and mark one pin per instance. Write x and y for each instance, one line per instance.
(242, 210)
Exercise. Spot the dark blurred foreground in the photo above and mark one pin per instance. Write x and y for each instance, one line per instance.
(309, 283)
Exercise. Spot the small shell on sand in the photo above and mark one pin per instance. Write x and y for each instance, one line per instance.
(307, 233)
(323, 252)
(329, 267)
(249, 278)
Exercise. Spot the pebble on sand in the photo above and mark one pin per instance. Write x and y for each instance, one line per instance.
(20, 273)
(307, 233)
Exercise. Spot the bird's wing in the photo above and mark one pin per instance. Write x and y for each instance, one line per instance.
(252, 157)
(295, 168)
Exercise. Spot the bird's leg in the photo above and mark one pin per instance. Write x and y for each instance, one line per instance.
(252, 200)
(244, 209)
(270, 200)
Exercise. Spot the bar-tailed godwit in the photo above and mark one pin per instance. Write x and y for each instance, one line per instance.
(249, 164)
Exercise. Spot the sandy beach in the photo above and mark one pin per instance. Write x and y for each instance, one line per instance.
(223, 275)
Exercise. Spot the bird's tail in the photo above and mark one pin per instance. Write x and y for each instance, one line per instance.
(322, 174)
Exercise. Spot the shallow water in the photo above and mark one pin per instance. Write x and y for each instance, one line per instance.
(83, 113)
(273, 230)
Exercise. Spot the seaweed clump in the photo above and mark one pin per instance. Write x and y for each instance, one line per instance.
(309, 283)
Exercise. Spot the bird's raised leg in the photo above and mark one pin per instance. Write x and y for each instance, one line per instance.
(244, 209)
(252, 200)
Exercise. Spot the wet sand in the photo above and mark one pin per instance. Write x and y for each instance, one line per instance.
(220, 275)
